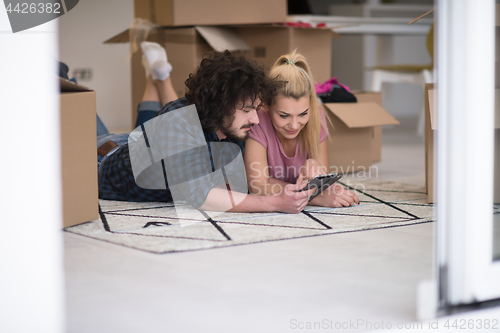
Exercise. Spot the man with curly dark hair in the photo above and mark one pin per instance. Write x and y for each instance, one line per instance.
(227, 89)
(223, 83)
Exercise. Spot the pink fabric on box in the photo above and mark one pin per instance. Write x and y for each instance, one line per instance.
(326, 86)
(281, 166)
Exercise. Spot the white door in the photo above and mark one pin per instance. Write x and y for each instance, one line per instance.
(466, 249)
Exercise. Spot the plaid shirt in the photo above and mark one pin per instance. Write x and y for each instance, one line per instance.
(117, 178)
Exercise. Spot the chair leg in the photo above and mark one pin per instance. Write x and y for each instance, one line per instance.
(376, 81)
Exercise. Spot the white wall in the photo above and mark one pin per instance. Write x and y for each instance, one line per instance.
(82, 32)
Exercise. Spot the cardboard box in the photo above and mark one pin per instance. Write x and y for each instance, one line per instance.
(351, 127)
(430, 135)
(219, 12)
(268, 43)
(376, 97)
(78, 154)
(186, 46)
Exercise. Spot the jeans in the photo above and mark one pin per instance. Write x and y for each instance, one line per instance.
(145, 111)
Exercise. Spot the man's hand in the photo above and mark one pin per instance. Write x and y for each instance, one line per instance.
(336, 196)
(291, 201)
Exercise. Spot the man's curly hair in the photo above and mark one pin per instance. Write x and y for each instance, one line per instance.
(221, 82)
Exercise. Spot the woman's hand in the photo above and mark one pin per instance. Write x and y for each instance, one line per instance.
(336, 196)
(311, 168)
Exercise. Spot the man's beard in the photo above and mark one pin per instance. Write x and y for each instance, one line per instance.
(233, 134)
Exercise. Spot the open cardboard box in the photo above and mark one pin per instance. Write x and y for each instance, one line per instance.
(78, 153)
(431, 127)
(202, 12)
(355, 132)
(264, 43)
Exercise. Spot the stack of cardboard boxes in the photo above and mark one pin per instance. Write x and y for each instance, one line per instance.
(186, 46)
(191, 28)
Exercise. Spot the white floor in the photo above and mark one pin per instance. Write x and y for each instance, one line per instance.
(269, 287)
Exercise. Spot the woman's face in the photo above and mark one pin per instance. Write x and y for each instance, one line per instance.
(289, 115)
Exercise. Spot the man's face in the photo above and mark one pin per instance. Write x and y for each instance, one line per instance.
(245, 116)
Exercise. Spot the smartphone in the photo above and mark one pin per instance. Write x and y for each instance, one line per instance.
(320, 183)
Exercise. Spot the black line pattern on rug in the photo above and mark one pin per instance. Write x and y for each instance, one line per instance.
(401, 221)
(398, 203)
(388, 225)
(218, 227)
(298, 237)
(393, 203)
(224, 222)
(382, 201)
(157, 217)
(249, 243)
(327, 231)
(166, 236)
(132, 209)
(268, 225)
(308, 213)
(103, 220)
(155, 224)
(359, 215)
(315, 219)
(220, 221)
(106, 227)
(410, 204)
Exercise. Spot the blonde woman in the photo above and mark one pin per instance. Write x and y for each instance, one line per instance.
(289, 144)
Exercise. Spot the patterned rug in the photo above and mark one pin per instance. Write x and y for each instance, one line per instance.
(157, 228)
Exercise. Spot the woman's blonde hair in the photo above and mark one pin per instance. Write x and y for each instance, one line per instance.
(294, 79)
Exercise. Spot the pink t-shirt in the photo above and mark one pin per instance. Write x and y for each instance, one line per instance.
(281, 166)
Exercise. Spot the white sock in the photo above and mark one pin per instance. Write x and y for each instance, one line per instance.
(160, 70)
(146, 66)
(156, 59)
